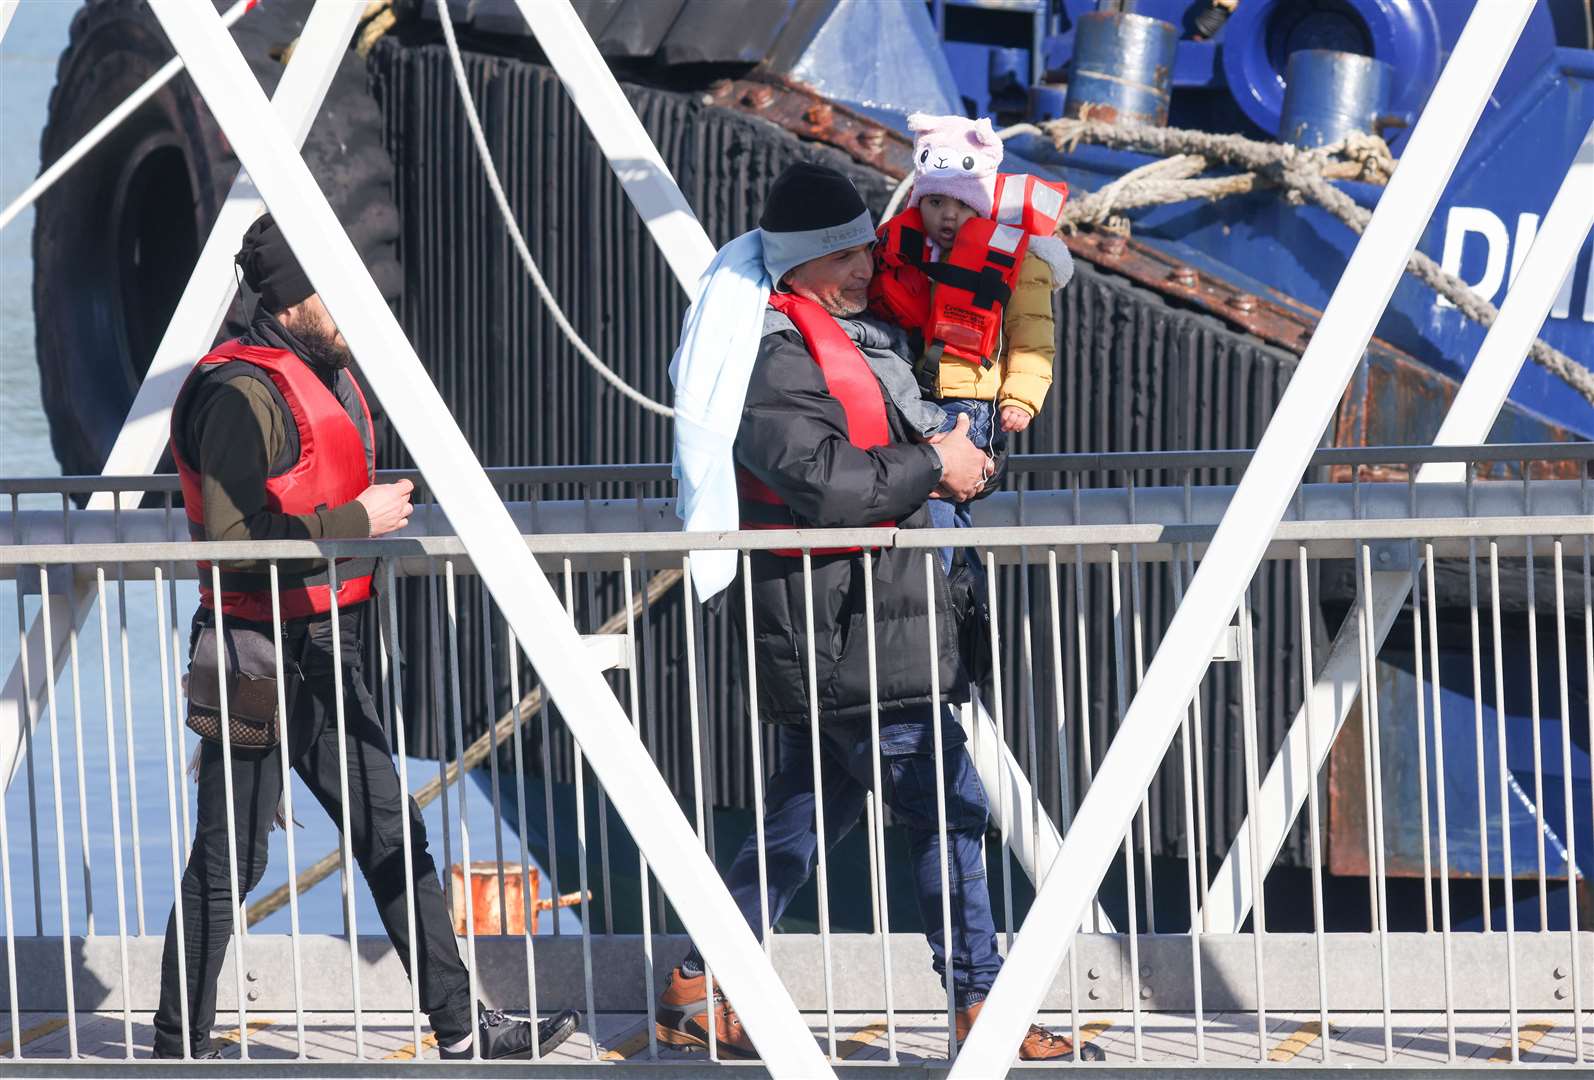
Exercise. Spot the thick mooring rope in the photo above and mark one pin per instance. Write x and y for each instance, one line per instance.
(1302, 175)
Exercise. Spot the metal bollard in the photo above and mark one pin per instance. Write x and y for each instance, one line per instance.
(1329, 95)
(1122, 71)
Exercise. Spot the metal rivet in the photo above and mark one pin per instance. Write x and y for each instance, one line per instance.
(820, 115)
(1145, 993)
(1560, 971)
(1112, 244)
(871, 139)
(254, 995)
(759, 97)
(1185, 277)
(252, 975)
(1094, 973)
(1244, 303)
(1145, 971)
(1560, 993)
(1095, 994)
(1383, 556)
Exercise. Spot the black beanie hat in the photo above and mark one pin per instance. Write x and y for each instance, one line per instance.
(811, 211)
(270, 268)
(808, 196)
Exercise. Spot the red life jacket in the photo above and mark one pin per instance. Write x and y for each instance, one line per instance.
(849, 380)
(1027, 201)
(957, 303)
(334, 464)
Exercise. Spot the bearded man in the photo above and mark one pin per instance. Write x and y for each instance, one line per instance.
(272, 439)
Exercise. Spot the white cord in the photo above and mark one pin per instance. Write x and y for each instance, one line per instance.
(515, 234)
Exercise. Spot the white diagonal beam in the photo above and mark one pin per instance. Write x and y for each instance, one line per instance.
(513, 577)
(8, 8)
(193, 327)
(1259, 502)
(1471, 417)
(113, 119)
(621, 137)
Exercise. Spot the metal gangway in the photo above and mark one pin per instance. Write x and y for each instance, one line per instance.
(1215, 993)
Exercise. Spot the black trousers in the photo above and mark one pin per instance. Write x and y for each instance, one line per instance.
(375, 837)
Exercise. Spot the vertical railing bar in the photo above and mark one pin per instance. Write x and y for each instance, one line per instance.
(5, 870)
(819, 804)
(1175, 570)
(239, 915)
(174, 779)
(1121, 682)
(883, 913)
(127, 731)
(1314, 827)
(1422, 711)
(284, 751)
(1137, 639)
(1248, 717)
(1505, 805)
(756, 743)
(582, 853)
(116, 809)
(436, 677)
(457, 709)
(648, 719)
(177, 695)
(1086, 753)
(490, 695)
(77, 738)
(1380, 857)
(527, 899)
(1369, 686)
(603, 798)
(336, 614)
(998, 709)
(29, 722)
(1030, 712)
(940, 803)
(633, 681)
(60, 817)
(1477, 713)
(1198, 755)
(689, 613)
(1065, 814)
(1440, 805)
(1572, 873)
(393, 679)
(1537, 716)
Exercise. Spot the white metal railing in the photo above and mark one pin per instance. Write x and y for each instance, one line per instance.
(1392, 957)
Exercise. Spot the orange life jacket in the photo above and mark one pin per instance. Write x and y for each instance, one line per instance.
(956, 304)
(333, 466)
(850, 381)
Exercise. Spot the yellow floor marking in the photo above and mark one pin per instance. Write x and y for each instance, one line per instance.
(37, 1031)
(857, 1042)
(1296, 1041)
(1528, 1036)
(407, 1051)
(254, 1026)
(1091, 1030)
(622, 1050)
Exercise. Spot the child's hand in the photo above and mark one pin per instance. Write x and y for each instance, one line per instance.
(1014, 418)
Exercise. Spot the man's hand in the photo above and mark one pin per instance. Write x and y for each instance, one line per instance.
(962, 463)
(387, 506)
(1014, 418)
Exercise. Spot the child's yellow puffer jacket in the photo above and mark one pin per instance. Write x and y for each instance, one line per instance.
(1024, 374)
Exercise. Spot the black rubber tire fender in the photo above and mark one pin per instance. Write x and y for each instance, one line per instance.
(115, 240)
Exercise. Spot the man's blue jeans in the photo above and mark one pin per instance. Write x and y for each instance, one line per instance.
(907, 760)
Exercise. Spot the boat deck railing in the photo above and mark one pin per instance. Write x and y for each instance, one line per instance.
(1080, 557)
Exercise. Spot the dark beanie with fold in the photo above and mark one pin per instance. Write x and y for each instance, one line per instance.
(811, 211)
(270, 267)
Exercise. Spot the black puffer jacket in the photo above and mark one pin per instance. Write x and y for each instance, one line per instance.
(793, 437)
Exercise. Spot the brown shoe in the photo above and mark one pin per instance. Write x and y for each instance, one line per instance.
(1039, 1044)
(682, 1008)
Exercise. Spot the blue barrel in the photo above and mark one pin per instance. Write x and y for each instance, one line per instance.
(1122, 70)
(1329, 95)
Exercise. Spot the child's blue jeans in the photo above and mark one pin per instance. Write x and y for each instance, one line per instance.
(983, 432)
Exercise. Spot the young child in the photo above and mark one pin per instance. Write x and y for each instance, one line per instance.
(969, 269)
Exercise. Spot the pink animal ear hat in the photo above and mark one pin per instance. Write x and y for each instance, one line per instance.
(955, 156)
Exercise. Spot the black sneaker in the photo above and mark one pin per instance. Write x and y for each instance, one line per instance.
(506, 1036)
(210, 1051)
